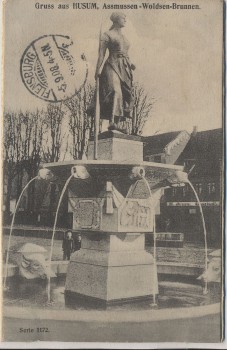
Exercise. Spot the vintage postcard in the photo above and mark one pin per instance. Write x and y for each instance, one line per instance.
(112, 158)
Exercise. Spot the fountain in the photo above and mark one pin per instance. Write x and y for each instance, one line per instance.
(113, 213)
(111, 289)
(112, 282)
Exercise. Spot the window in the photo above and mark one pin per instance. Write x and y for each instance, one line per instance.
(185, 190)
(174, 191)
(198, 188)
(211, 187)
(157, 159)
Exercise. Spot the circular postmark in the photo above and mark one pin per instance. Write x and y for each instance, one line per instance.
(52, 69)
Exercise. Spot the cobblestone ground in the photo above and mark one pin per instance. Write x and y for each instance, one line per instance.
(189, 254)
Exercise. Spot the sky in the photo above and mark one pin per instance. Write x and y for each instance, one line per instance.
(177, 53)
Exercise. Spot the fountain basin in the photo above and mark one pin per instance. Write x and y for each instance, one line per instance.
(163, 268)
(196, 324)
(198, 320)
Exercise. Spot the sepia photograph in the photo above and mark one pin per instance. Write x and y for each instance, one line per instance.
(113, 172)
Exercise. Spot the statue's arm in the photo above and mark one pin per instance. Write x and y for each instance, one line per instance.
(102, 52)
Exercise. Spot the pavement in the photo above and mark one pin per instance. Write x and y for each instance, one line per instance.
(190, 253)
(201, 324)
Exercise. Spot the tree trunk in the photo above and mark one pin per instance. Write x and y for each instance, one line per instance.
(8, 197)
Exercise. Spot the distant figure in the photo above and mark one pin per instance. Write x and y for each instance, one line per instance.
(67, 245)
(77, 243)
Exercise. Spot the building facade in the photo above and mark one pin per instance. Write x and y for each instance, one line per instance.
(202, 159)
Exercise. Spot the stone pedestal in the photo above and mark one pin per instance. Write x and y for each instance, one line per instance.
(113, 200)
(113, 145)
(112, 265)
(111, 268)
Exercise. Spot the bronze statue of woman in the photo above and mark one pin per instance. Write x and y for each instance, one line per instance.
(115, 79)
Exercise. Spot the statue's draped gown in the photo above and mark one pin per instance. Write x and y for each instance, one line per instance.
(116, 77)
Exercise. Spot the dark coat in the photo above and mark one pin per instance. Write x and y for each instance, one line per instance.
(68, 245)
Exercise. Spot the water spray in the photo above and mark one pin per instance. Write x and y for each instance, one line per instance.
(177, 179)
(154, 305)
(205, 290)
(54, 230)
(141, 174)
(45, 174)
(78, 172)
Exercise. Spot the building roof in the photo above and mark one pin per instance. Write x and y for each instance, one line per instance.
(205, 150)
(155, 144)
(209, 142)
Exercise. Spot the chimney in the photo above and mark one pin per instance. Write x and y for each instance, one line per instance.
(195, 130)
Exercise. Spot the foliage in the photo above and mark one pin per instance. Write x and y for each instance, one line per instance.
(80, 124)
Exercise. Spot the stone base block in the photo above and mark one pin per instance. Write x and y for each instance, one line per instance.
(113, 145)
(73, 300)
(117, 272)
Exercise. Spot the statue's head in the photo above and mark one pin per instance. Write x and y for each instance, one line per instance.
(118, 19)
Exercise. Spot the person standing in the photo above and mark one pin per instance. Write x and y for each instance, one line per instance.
(77, 243)
(67, 245)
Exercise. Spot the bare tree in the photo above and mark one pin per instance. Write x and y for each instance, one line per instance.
(35, 129)
(23, 137)
(142, 107)
(11, 153)
(80, 124)
(52, 146)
